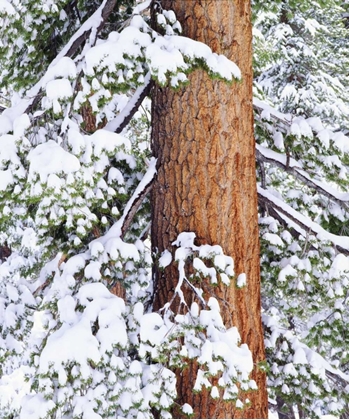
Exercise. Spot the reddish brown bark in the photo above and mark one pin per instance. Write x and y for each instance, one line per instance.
(203, 140)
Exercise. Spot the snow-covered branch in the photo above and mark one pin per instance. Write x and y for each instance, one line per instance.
(307, 225)
(97, 21)
(94, 23)
(295, 168)
(261, 107)
(136, 200)
(125, 116)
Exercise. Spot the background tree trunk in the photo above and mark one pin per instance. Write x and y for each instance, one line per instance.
(206, 183)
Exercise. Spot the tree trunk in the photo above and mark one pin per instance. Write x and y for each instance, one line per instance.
(203, 139)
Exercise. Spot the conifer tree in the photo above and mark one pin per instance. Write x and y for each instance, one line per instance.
(79, 334)
(302, 155)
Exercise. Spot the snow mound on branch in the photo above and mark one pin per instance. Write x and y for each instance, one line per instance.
(103, 140)
(110, 54)
(7, 8)
(339, 266)
(50, 158)
(6, 179)
(64, 345)
(65, 68)
(5, 124)
(8, 151)
(58, 89)
(10, 164)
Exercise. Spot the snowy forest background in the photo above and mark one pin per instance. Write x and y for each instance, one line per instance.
(73, 76)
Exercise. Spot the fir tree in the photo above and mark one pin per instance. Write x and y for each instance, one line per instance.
(78, 334)
(302, 157)
(78, 337)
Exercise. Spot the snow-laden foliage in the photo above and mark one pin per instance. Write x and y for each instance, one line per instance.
(33, 33)
(301, 109)
(78, 337)
(89, 353)
(307, 75)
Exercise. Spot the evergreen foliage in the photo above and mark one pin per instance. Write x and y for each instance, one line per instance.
(78, 337)
(302, 152)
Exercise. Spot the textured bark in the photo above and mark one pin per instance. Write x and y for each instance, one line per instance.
(89, 118)
(206, 183)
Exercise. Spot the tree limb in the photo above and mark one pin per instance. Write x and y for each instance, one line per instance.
(297, 172)
(75, 42)
(128, 217)
(106, 11)
(138, 196)
(273, 213)
(303, 222)
(125, 116)
(336, 378)
(260, 106)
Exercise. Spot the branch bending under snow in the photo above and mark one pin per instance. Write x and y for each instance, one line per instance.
(304, 223)
(294, 168)
(283, 221)
(261, 106)
(96, 21)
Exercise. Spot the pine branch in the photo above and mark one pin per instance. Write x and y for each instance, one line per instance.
(137, 198)
(125, 116)
(337, 378)
(128, 217)
(274, 114)
(294, 168)
(273, 213)
(81, 35)
(77, 40)
(267, 199)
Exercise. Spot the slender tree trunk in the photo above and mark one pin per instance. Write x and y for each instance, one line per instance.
(203, 139)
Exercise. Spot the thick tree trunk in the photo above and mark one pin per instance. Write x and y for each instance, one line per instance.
(206, 183)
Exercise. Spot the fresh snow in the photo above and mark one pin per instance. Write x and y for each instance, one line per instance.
(64, 188)
(321, 233)
(50, 158)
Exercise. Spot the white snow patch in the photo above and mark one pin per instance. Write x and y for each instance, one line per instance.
(50, 158)
(165, 259)
(59, 89)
